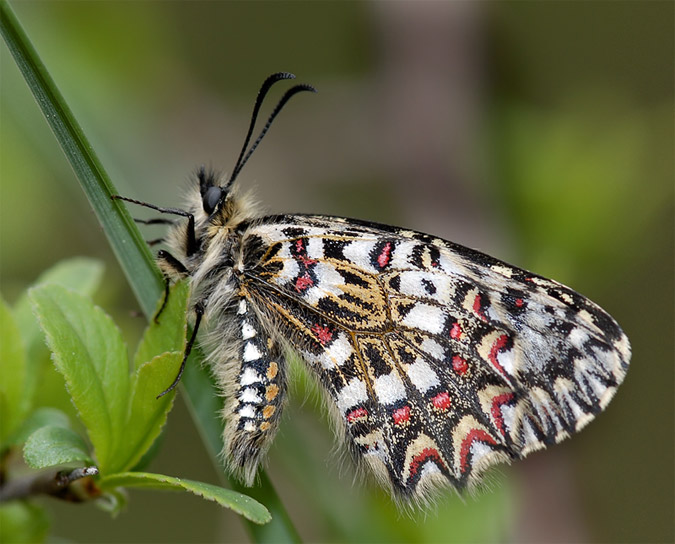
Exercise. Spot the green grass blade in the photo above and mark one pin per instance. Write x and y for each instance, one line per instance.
(125, 239)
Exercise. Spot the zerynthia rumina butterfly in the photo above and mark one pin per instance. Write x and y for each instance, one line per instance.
(439, 361)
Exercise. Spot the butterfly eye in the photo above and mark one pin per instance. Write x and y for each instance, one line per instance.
(211, 199)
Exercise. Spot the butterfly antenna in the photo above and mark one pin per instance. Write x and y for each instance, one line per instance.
(264, 89)
(271, 80)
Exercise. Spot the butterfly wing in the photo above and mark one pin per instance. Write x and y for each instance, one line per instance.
(440, 360)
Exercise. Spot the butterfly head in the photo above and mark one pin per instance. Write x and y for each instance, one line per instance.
(218, 203)
(213, 193)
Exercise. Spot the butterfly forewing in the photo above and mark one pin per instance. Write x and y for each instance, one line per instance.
(441, 360)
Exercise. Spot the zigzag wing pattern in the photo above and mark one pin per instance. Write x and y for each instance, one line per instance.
(441, 361)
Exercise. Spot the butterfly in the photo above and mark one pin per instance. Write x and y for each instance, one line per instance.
(437, 361)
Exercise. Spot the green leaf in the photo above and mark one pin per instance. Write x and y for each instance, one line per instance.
(80, 274)
(147, 413)
(88, 350)
(52, 446)
(167, 332)
(23, 522)
(241, 504)
(13, 406)
(41, 417)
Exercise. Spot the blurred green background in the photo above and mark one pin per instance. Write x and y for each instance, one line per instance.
(539, 132)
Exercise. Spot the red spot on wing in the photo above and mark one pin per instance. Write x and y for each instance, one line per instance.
(455, 331)
(469, 439)
(497, 346)
(519, 302)
(356, 414)
(477, 307)
(441, 401)
(303, 282)
(385, 255)
(422, 457)
(496, 410)
(401, 415)
(323, 333)
(301, 253)
(459, 365)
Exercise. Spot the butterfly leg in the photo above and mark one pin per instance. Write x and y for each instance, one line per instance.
(199, 311)
(190, 238)
(171, 268)
(154, 221)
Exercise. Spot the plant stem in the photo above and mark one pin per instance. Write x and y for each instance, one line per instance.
(56, 484)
